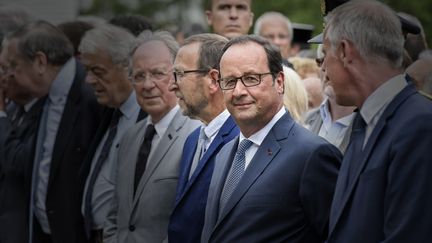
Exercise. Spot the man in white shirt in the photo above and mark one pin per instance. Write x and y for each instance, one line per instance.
(150, 151)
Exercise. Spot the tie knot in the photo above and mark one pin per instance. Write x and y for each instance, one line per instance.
(150, 132)
(202, 135)
(358, 123)
(115, 117)
(244, 145)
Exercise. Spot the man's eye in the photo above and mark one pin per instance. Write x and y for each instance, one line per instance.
(250, 79)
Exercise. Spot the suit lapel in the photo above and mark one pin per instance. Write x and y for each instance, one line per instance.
(163, 147)
(70, 115)
(340, 200)
(219, 139)
(187, 157)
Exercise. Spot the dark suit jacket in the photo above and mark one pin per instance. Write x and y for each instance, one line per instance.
(16, 148)
(187, 218)
(390, 198)
(284, 194)
(80, 120)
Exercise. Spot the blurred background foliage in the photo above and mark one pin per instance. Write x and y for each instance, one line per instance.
(181, 13)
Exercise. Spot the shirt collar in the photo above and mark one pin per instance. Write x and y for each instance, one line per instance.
(381, 97)
(214, 126)
(130, 106)
(258, 137)
(63, 81)
(163, 124)
(30, 104)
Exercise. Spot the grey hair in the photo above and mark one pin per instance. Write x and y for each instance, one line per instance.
(41, 36)
(160, 35)
(269, 15)
(372, 27)
(210, 49)
(11, 18)
(116, 41)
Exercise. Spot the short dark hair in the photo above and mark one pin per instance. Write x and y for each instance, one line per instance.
(210, 49)
(132, 22)
(75, 31)
(41, 36)
(274, 57)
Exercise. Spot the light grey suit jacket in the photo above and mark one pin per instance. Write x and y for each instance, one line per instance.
(144, 218)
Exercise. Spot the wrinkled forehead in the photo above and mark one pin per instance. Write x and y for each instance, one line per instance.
(151, 54)
(215, 3)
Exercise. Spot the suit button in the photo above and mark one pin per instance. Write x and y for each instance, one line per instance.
(131, 228)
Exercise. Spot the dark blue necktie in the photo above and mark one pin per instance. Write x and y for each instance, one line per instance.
(112, 131)
(143, 154)
(353, 154)
(237, 171)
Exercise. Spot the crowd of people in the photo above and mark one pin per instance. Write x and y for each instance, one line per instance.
(118, 132)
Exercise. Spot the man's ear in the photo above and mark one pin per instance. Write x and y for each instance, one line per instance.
(214, 76)
(280, 82)
(347, 52)
(40, 62)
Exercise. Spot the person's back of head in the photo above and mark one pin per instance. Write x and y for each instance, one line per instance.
(75, 31)
(295, 94)
(414, 44)
(134, 23)
(373, 28)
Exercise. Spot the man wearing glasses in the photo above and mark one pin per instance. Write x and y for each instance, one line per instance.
(195, 70)
(149, 153)
(275, 181)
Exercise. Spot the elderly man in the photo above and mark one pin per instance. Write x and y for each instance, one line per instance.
(105, 54)
(200, 97)
(229, 18)
(383, 190)
(275, 181)
(277, 28)
(149, 153)
(39, 57)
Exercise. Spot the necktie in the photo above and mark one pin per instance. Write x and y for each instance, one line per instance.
(143, 154)
(18, 116)
(199, 152)
(112, 131)
(237, 170)
(355, 148)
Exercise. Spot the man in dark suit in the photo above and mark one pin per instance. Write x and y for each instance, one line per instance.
(105, 53)
(39, 57)
(275, 182)
(383, 192)
(195, 70)
(18, 125)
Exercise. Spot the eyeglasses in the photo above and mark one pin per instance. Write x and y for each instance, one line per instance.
(179, 74)
(319, 61)
(154, 75)
(248, 80)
